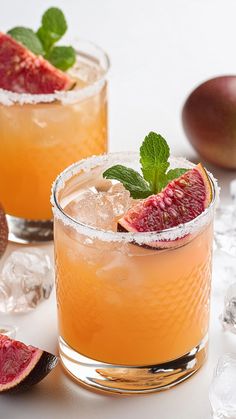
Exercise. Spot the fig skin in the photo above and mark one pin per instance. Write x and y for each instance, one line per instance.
(22, 365)
(42, 368)
(209, 120)
(3, 231)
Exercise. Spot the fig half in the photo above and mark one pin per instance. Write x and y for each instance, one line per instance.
(22, 366)
(209, 120)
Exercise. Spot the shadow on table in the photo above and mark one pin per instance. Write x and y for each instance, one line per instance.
(61, 397)
(58, 396)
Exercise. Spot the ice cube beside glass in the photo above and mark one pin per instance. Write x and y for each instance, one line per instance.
(232, 187)
(225, 229)
(228, 317)
(26, 279)
(224, 267)
(222, 392)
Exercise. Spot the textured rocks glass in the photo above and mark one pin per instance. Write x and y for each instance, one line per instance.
(43, 134)
(132, 318)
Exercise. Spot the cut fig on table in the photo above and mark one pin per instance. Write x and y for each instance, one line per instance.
(21, 71)
(22, 366)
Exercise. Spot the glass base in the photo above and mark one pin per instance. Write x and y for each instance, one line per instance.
(127, 380)
(29, 231)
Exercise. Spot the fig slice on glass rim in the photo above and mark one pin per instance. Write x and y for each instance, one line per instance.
(22, 71)
(182, 200)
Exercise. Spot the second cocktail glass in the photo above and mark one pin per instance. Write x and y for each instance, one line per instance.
(43, 134)
(132, 318)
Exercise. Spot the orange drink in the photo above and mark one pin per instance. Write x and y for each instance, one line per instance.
(133, 308)
(43, 134)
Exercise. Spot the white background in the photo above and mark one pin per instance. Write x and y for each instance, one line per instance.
(159, 50)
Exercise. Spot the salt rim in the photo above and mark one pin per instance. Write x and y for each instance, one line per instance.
(8, 98)
(170, 234)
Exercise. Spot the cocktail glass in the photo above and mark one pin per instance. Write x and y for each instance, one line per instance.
(132, 318)
(43, 134)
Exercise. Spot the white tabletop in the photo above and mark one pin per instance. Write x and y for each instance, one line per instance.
(159, 51)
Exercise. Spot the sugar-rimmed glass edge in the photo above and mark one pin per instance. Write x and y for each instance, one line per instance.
(170, 234)
(8, 98)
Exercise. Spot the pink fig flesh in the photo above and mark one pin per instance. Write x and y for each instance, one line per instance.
(182, 200)
(22, 366)
(22, 71)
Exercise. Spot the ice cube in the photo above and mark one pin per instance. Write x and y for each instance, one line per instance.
(93, 209)
(103, 185)
(26, 279)
(119, 198)
(10, 331)
(85, 73)
(225, 229)
(100, 209)
(222, 393)
(224, 272)
(233, 190)
(228, 317)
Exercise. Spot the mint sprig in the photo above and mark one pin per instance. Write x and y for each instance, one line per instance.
(154, 156)
(42, 42)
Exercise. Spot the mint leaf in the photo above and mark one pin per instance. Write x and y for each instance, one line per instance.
(54, 21)
(131, 180)
(154, 154)
(53, 27)
(47, 38)
(175, 173)
(62, 57)
(28, 38)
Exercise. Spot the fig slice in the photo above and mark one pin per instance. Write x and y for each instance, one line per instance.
(21, 71)
(22, 366)
(182, 200)
(3, 231)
